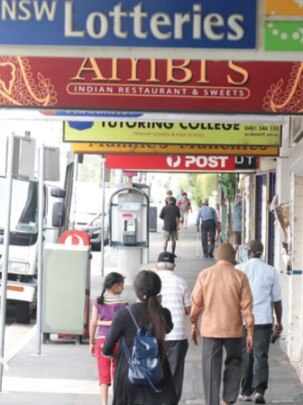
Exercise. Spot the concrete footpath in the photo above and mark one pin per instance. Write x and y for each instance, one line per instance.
(65, 373)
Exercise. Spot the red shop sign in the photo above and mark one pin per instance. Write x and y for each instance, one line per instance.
(152, 85)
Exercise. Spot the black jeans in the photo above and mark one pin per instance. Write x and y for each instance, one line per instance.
(255, 364)
(176, 352)
(208, 234)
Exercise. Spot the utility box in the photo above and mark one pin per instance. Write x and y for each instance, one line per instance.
(65, 287)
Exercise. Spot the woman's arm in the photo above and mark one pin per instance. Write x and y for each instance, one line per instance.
(93, 327)
(168, 319)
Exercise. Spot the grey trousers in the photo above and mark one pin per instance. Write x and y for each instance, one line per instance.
(212, 357)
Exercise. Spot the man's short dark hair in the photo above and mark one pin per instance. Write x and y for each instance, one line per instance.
(256, 247)
(172, 200)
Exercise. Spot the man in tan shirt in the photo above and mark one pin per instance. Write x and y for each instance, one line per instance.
(223, 297)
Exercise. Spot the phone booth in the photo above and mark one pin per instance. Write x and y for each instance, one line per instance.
(128, 229)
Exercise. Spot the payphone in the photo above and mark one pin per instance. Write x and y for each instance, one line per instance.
(129, 229)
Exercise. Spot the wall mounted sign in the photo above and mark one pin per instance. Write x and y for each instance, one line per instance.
(131, 23)
(284, 8)
(283, 28)
(104, 148)
(152, 85)
(181, 163)
(284, 35)
(186, 133)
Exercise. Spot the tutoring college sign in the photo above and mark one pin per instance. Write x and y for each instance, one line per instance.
(190, 133)
(131, 23)
(152, 85)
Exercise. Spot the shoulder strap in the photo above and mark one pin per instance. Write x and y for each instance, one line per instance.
(125, 348)
(133, 318)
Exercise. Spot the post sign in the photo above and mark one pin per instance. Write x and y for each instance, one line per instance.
(160, 149)
(186, 133)
(151, 85)
(181, 163)
(131, 23)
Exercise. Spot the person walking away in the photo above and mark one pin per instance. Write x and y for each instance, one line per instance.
(169, 194)
(170, 214)
(208, 218)
(176, 297)
(104, 309)
(237, 225)
(266, 290)
(148, 312)
(223, 298)
(185, 208)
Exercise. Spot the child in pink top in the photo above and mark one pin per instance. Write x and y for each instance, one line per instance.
(104, 309)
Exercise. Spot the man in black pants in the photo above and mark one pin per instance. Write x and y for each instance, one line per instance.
(170, 214)
(208, 217)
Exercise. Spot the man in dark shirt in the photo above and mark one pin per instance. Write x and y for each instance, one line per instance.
(170, 214)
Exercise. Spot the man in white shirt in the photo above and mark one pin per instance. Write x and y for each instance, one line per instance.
(176, 297)
(265, 285)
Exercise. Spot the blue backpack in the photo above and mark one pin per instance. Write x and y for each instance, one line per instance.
(145, 366)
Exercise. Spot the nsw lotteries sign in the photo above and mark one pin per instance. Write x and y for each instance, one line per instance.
(131, 23)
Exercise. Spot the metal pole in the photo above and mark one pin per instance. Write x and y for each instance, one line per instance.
(103, 209)
(5, 257)
(74, 198)
(40, 249)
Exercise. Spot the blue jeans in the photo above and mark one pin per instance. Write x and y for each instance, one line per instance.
(255, 364)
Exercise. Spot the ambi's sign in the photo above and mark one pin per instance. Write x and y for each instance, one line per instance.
(131, 23)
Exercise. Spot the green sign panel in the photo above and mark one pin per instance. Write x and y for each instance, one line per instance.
(284, 36)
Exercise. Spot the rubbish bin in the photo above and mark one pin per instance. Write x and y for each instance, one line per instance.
(65, 285)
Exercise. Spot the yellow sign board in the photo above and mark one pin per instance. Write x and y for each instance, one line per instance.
(174, 133)
(99, 148)
(284, 7)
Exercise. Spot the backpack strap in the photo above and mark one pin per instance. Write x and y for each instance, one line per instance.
(133, 318)
(125, 348)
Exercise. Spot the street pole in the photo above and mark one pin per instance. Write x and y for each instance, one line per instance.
(103, 208)
(40, 249)
(5, 257)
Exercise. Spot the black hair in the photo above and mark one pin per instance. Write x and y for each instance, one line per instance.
(172, 200)
(110, 280)
(147, 286)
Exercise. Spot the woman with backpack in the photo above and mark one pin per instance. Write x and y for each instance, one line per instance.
(149, 315)
(104, 309)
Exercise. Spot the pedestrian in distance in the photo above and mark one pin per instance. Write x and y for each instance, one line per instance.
(266, 290)
(223, 298)
(184, 205)
(237, 225)
(104, 310)
(176, 297)
(170, 214)
(169, 194)
(148, 312)
(207, 216)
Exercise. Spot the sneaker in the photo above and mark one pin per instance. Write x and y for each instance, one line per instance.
(259, 398)
(175, 255)
(245, 398)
